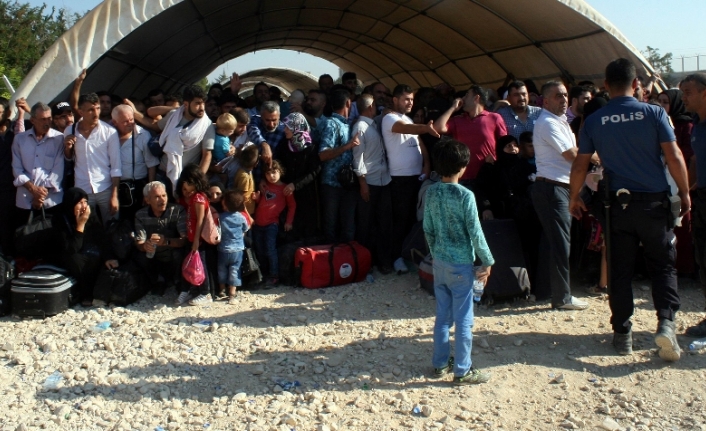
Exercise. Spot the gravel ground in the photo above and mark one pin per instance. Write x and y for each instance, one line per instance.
(354, 357)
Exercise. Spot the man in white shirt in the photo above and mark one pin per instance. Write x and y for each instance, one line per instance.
(97, 166)
(38, 164)
(139, 165)
(555, 149)
(408, 164)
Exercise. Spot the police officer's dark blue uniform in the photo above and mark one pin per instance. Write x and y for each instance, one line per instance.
(627, 135)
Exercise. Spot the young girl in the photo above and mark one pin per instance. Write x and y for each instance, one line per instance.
(272, 201)
(192, 191)
(230, 250)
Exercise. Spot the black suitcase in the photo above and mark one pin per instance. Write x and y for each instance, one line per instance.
(43, 291)
(121, 286)
(7, 273)
(508, 278)
(414, 246)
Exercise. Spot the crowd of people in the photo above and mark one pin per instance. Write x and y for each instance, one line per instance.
(338, 163)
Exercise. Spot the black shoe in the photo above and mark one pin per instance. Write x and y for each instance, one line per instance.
(438, 372)
(623, 343)
(666, 339)
(698, 331)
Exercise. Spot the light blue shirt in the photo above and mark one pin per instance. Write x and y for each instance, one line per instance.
(233, 228)
(42, 163)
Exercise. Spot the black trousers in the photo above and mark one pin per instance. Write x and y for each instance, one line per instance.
(374, 226)
(7, 222)
(646, 222)
(698, 230)
(404, 191)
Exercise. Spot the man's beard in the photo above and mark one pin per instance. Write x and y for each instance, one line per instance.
(194, 114)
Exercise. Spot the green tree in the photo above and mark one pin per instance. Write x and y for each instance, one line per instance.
(660, 63)
(221, 78)
(26, 32)
(203, 83)
(15, 77)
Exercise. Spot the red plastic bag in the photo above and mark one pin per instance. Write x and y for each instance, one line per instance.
(192, 269)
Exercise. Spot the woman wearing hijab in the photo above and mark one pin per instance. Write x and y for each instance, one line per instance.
(80, 243)
(671, 101)
(302, 166)
(493, 177)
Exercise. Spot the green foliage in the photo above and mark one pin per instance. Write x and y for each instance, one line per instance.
(203, 83)
(221, 78)
(661, 63)
(26, 32)
(15, 77)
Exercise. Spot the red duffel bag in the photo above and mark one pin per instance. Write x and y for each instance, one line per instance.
(332, 265)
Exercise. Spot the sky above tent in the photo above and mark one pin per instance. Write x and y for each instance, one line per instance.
(669, 26)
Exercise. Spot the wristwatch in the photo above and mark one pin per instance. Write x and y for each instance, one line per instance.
(167, 242)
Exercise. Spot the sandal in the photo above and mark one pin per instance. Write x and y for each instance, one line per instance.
(221, 294)
(232, 300)
(597, 290)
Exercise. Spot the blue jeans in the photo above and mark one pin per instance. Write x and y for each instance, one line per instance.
(229, 268)
(265, 242)
(453, 287)
(339, 213)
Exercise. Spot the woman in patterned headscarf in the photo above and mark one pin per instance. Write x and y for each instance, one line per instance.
(301, 163)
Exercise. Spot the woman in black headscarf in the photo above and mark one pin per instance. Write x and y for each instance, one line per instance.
(671, 101)
(80, 243)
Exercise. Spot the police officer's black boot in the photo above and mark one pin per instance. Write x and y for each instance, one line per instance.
(623, 343)
(666, 339)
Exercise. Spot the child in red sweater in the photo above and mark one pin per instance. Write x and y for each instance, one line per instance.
(270, 205)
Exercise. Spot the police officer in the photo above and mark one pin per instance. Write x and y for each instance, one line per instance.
(693, 89)
(630, 137)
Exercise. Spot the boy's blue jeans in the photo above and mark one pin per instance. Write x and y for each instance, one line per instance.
(453, 287)
(265, 242)
(229, 268)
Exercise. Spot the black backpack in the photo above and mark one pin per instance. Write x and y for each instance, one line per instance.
(7, 273)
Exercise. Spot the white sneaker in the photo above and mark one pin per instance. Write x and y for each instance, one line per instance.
(400, 267)
(201, 300)
(183, 297)
(575, 304)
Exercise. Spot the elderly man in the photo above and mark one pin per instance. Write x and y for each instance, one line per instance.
(160, 231)
(96, 157)
(38, 164)
(266, 131)
(139, 165)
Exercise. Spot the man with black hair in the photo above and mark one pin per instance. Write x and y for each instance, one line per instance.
(631, 138)
(261, 93)
(91, 144)
(227, 102)
(156, 97)
(106, 105)
(477, 128)
(408, 165)
(325, 83)
(519, 116)
(578, 96)
(314, 111)
(187, 136)
(61, 116)
(350, 81)
(338, 200)
(555, 149)
(693, 89)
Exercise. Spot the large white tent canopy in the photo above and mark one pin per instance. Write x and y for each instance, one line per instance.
(286, 79)
(133, 46)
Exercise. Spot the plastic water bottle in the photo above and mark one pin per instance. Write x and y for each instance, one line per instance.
(477, 290)
(697, 345)
(150, 254)
(52, 382)
(101, 327)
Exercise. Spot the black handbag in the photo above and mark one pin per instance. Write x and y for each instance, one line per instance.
(347, 178)
(30, 239)
(126, 188)
(154, 147)
(249, 264)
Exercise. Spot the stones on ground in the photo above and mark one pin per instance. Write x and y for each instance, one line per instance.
(609, 424)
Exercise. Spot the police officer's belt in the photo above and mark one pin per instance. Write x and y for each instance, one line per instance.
(556, 183)
(637, 196)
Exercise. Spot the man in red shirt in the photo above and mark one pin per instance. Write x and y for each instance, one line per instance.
(477, 128)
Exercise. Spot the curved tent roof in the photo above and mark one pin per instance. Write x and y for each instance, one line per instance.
(132, 46)
(286, 79)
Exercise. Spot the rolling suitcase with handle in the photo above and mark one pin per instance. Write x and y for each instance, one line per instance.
(43, 291)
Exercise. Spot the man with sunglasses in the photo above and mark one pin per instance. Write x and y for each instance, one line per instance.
(694, 98)
(630, 138)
